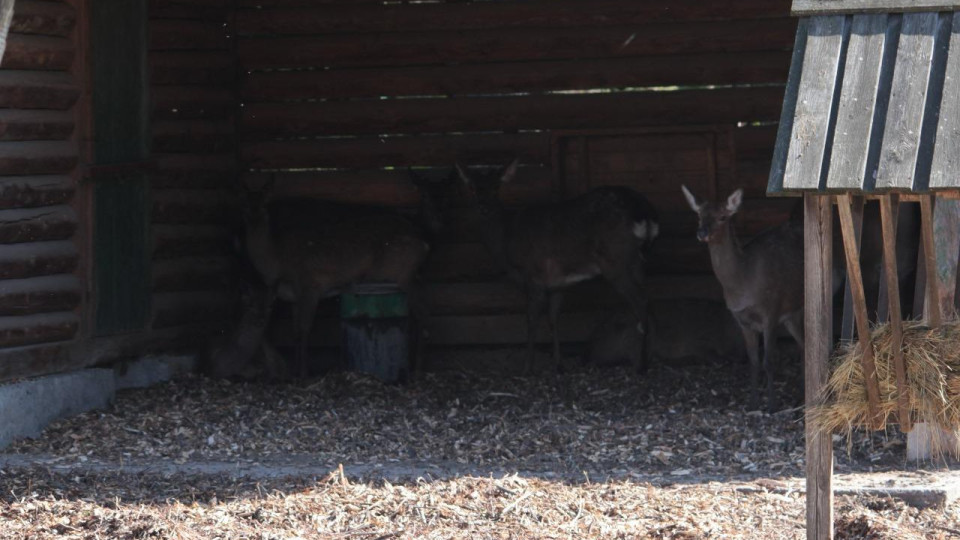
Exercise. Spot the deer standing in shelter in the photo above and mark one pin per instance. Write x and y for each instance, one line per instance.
(762, 281)
(550, 247)
(307, 250)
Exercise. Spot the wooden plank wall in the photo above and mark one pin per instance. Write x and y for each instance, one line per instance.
(339, 96)
(40, 283)
(192, 73)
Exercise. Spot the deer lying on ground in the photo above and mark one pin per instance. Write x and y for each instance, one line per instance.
(762, 281)
(550, 247)
(307, 250)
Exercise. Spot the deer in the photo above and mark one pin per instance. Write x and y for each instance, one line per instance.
(762, 281)
(304, 256)
(550, 247)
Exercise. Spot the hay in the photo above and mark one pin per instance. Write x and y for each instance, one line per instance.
(932, 358)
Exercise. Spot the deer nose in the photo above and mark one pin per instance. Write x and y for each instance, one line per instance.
(703, 234)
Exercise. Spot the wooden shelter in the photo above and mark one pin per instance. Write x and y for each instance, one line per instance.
(872, 110)
(125, 126)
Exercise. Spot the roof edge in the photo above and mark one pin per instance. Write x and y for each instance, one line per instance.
(832, 7)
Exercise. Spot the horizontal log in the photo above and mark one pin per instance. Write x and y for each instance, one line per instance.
(558, 112)
(425, 17)
(44, 53)
(44, 294)
(502, 297)
(37, 224)
(34, 191)
(41, 328)
(193, 137)
(453, 46)
(194, 206)
(197, 171)
(193, 68)
(37, 90)
(697, 69)
(189, 12)
(194, 274)
(179, 241)
(377, 152)
(43, 18)
(19, 261)
(193, 35)
(35, 125)
(182, 308)
(755, 143)
(192, 102)
(206, 4)
(25, 158)
(34, 360)
(387, 188)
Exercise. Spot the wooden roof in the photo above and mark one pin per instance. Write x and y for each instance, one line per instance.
(872, 100)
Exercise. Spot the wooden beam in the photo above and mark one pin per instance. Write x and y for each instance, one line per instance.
(858, 100)
(6, 16)
(818, 331)
(820, 7)
(808, 141)
(946, 233)
(847, 322)
(931, 311)
(908, 95)
(855, 276)
(945, 170)
(883, 301)
(888, 224)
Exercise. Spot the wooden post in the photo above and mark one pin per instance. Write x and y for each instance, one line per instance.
(6, 16)
(946, 233)
(932, 312)
(855, 277)
(846, 323)
(818, 332)
(888, 223)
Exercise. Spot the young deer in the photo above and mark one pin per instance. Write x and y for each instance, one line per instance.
(762, 281)
(304, 255)
(550, 247)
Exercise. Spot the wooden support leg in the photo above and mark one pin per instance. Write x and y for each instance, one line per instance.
(890, 271)
(855, 276)
(946, 233)
(818, 332)
(846, 324)
(883, 301)
(931, 310)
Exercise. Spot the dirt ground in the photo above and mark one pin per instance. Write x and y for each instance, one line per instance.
(588, 454)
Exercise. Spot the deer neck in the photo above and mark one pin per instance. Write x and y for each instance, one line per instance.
(491, 220)
(726, 256)
(262, 250)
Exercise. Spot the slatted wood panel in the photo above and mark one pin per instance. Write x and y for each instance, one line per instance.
(884, 126)
(340, 97)
(193, 102)
(40, 280)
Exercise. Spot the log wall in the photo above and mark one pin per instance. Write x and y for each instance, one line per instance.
(41, 275)
(193, 85)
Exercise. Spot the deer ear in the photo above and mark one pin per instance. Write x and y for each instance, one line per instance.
(510, 172)
(734, 200)
(463, 174)
(691, 200)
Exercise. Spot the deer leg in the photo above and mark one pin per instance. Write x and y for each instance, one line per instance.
(305, 311)
(751, 339)
(555, 299)
(535, 299)
(418, 316)
(770, 359)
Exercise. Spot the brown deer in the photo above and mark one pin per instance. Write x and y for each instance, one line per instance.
(762, 281)
(307, 250)
(550, 247)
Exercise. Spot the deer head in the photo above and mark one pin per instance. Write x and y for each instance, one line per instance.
(713, 216)
(436, 196)
(482, 188)
(253, 201)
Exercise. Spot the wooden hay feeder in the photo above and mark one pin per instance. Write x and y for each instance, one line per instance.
(872, 111)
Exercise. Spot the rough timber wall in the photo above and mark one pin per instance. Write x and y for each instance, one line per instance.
(339, 97)
(192, 71)
(40, 286)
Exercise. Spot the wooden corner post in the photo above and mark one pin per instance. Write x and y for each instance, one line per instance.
(818, 331)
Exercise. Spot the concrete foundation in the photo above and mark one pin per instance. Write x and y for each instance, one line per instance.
(27, 407)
